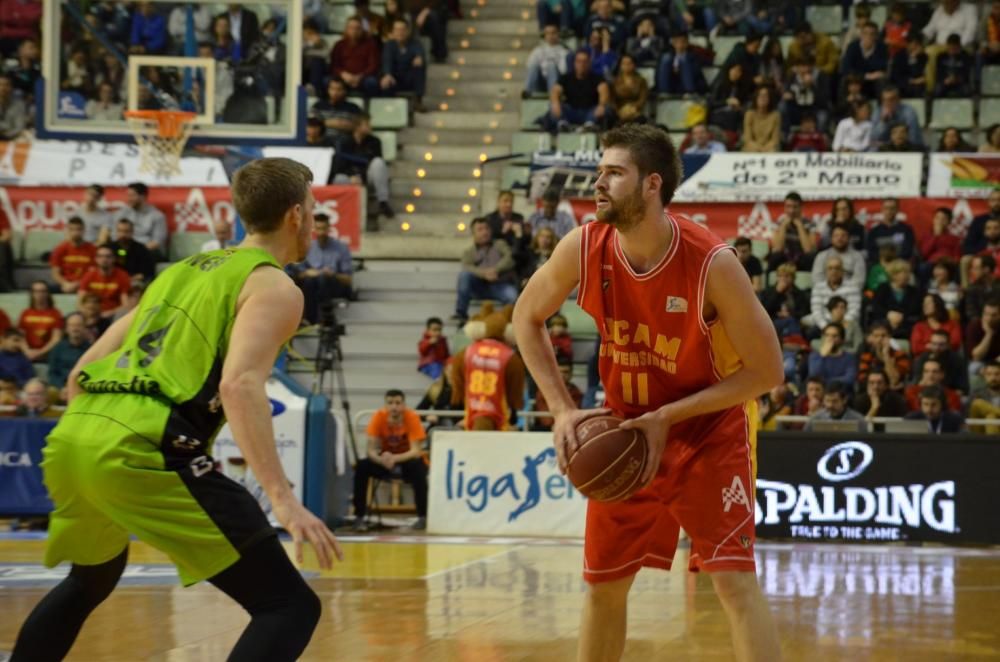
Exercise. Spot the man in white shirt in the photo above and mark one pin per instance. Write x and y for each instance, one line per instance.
(702, 142)
(149, 222)
(223, 236)
(96, 221)
(853, 261)
(547, 61)
(951, 17)
(833, 285)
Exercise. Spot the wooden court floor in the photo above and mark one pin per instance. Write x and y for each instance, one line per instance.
(442, 599)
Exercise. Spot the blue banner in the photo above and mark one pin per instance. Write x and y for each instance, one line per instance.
(21, 489)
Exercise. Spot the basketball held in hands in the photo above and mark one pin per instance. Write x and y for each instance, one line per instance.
(609, 462)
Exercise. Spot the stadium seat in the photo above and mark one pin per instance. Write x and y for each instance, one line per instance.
(38, 242)
(529, 142)
(649, 73)
(710, 74)
(581, 325)
(803, 280)
(185, 244)
(989, 111)
(698, 40)
(990, 86)
(825, 18)
(920, 107)
(952, 112)
(678, 137)
(722, 46)
(672, 113)
(786, 41)
(358, 101)
(13, 303)
(574, 142)
(390, 113)
(66, 303)
(760, 248)
(531, 110)
(17, 245)
(388, 139)
(515, 175)
(337, 15)
(879, 14)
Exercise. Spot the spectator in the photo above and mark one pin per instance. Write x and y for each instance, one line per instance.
(991, 235)
(897, 30)
(177, 25)
(794, 240)
(982, 338)
(952, 17)
(223, 233)
(878, 401)
(439, 396)
(27, 70)
(404, 64)
(762, 124)
(747, 53)
(808, 138)
(148, 223)
(810, 403)
(772, 65)
(985, 402)
(853, 336)
(67, 352)
(631, 92)
(96, 221)
(890, 229)
(36, 401)
(974, 241)
(149, 31)
(546, 63)
(603, 57)
(604, 17)
(852, 260)
(680, 70)
(6, 254)
(852, 93)
(4, 321)
(909, 68)
(984, 285)
(834, 284)
(130, 255)
(392, 13)
(108, 281)
(358, 160)
(785, 295)
(898, 141)
(562, 341)
(744, 252)
(807, 94)
(854, 133)
(944, 283)
(646, 46)
(831, 362)
(487, 271)
(430, 20)
(935, 317)
(878, 353)
(355, 59)
(326, 273)
(862, 17)
(897, 302)
(507, 224)
(835, 400)
(816, 46)
(19, 20)
(110, 70)
(13, 114)
(104, 107)
(550, 216)
(729, 97)
(543, 242)
(989, 35)
(702, 141)
(372, 22)
(952, 141)
(992, 144)
(316, 134)
(938, 348)
(395, 439)
(544, 423)
(954, 70)
(893, 111)
(94, 322)
(315, 54)
(8, 392)
(339, 115)
(940, 243)
(842, 216)
(244, 26)
(15, 366)
(867, 57)
(41, 322)
(72, 258)
(932, 409)
(433, 349)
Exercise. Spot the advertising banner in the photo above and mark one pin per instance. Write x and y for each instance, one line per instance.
(187, 209)
(317, 159)
(82, 163)
(500, 484)
(288, 415)
(963, 175)
(22, 491)
(872, 487)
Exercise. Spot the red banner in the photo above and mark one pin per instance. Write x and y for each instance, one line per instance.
(758, 220)
(187, 209)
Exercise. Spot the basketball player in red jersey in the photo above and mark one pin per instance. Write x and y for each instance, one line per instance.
(685, 350)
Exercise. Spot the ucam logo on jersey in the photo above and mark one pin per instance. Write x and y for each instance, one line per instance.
(500, 483)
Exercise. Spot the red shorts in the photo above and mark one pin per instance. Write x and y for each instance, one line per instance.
(705, 484)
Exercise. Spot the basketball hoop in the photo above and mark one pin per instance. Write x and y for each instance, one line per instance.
(161, 136)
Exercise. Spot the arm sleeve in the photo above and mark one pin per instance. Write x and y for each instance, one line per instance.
(375, 425)
(414, 430)
(160, 229)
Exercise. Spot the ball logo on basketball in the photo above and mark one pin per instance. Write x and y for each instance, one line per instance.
(609, 462)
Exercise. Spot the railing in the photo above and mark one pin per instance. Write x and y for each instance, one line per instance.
(881, 419)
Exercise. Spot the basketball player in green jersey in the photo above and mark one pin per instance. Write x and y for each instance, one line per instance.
(132, 452)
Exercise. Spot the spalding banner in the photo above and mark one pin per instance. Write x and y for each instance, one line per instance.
(501, 484)
(877, 488)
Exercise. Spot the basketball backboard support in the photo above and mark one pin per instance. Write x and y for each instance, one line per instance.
(252, 97)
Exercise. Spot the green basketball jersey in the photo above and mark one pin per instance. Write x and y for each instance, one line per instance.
(175, 348)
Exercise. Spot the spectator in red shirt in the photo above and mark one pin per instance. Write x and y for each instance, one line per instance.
(71, 259)
(896, 29)
(808, 138)
(562, 342)
(4, 321)
(940, 243)
(41, 322)
(107, 281)
(932, 375)
(877, 353)
(810, 402)
(356, 59)
(433, 348)
(935, 317)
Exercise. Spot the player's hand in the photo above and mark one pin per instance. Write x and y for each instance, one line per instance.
(303, 526)
(654, 426)
(564, 432)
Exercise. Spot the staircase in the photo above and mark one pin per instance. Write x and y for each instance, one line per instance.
(438, 184)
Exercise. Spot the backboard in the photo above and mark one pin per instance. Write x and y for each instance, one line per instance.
(237, 65)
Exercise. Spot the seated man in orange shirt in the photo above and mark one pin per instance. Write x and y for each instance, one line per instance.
(395, 438)
(107, 281)
(73, 258)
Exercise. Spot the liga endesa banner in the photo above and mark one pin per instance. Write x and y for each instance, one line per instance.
(963, 175)
(500, 484)
(877, 487)
(759, 220)
(22, 491)
(192, 209)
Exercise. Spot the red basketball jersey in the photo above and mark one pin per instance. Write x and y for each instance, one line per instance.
(655, 345)
(485, 383)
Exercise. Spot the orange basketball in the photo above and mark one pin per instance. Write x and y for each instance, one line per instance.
(609, 462)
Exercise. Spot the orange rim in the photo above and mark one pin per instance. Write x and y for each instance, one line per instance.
(170, 123)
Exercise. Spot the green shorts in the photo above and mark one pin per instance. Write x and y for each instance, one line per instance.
(108, 477)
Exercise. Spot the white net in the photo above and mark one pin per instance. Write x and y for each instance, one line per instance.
(161, 136)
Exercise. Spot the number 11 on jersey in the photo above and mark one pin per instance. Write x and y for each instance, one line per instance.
(635, 388)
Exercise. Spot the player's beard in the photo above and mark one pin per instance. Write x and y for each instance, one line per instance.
(624, 213)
